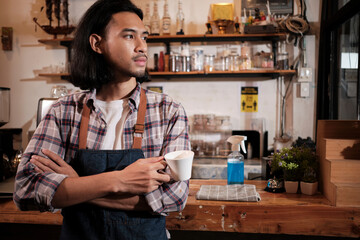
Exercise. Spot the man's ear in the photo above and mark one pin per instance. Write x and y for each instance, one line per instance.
(95, 41)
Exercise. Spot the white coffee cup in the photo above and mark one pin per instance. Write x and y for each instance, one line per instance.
(180, 164)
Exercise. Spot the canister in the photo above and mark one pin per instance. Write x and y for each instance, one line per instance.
(197, 59)
(175, 63)
(186, 63)
(172, 63)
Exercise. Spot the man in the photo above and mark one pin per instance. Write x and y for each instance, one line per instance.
(98, 154)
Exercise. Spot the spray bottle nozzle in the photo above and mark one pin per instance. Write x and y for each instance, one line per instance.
(237, 141)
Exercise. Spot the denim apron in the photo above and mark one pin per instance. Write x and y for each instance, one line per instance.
(87, 221)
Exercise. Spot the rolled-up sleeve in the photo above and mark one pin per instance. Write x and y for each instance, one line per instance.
(172, 197)
(33, 190)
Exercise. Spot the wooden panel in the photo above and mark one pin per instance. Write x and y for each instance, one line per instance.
(326, 186)
(10, 214)
(279, 213)
(303, 220)
(345, 171)
(342, 148)
(344, 129)
(275, 213)
(347, 195)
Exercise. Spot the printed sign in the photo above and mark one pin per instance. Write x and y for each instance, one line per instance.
(249, 99)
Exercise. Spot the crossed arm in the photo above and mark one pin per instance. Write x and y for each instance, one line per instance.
(117, 189)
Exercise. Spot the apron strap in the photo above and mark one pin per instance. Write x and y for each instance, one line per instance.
(140, 122)
(139, 126)
(84, 126)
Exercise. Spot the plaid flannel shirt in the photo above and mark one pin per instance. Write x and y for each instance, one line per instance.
(166, 130)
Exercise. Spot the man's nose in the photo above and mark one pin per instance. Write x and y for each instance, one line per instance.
(141, 46)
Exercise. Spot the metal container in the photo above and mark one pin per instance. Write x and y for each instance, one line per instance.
(186, 63)
(175, 63)
(172, 63)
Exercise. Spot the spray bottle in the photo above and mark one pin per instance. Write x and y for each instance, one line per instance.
(235, 162)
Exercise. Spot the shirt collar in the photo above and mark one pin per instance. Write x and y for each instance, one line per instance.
(134, 99)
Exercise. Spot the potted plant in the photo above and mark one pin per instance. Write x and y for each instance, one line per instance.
(284, 165)
(277, 160)
(310, 168)
(291, 176)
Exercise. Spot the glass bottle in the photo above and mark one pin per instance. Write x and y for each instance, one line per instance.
(147, 21)
(166, 20)
(156, 62)
(161, 62)
(180, 20)
(155, 20)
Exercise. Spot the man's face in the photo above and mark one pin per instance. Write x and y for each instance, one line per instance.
(124, 46)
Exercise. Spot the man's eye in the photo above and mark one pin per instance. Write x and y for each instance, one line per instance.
(129, 36)
(145, 38)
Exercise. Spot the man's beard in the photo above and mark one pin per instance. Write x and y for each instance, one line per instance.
(143, 77)
(139, 74)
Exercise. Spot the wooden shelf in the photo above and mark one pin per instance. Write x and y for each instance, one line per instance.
(167, 39)
(201, 74)
(244, 73)
(216, 38)
(193, 38)
(64, 76)
(56, 41)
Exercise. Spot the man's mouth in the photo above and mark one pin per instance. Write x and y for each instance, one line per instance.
(141, 60)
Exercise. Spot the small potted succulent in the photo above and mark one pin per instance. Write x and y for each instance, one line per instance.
(309, 180)
(308, 164)
(284, 165)
(291, 176)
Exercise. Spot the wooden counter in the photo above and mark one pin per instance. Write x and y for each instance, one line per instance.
(279, 213)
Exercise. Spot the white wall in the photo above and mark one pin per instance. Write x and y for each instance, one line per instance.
(19, 69)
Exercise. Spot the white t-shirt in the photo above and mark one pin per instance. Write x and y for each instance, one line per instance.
(115, 114)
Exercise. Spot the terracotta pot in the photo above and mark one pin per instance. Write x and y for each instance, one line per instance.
(309, 188)
(291, 186)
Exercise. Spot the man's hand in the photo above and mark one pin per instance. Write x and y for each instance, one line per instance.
(54, 164)
(143, 176)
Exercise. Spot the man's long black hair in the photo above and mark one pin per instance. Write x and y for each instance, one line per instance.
(88, 69)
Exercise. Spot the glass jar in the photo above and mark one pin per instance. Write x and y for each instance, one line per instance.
(233, 62)
(258, 60)
(209, 122)
(226, 63)
(223, 123)
(178, 62)
(245, 63)
(267, 61)
(219, 65)
(245, 50)
(219, 51)
(186, 63)
(197, 59)
(209, 63)
(283, 61)
(198, 123)
(58, 91)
